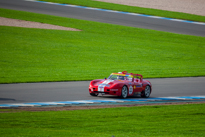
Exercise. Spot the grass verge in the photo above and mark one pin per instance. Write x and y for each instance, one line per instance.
(34, 55)
(152, 121)
(132, 9)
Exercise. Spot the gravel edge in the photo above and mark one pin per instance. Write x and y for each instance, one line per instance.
(30, 24)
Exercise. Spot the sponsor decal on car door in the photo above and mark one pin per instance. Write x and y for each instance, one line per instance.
(138, 87)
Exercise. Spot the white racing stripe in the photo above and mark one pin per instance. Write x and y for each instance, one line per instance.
(102, 85)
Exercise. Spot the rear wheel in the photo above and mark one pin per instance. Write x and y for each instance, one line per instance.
(146, 93)
(124, 92)
(94, 94)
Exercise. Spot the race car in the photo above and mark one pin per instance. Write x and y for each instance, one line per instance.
(121, 84)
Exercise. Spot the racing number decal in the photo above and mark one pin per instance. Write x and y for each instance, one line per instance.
(101, 89)
(130, 90)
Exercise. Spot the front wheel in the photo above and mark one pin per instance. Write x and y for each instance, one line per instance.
(124, 92)
(94, 94)
(146, 93)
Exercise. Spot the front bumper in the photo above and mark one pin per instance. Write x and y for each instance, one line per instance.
(106, 90)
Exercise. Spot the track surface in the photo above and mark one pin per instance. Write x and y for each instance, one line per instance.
(105, 17)
(71, 91)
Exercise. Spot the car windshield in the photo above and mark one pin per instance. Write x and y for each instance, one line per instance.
(120, 77)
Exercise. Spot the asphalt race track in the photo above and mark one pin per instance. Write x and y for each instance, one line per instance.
(106, 17)
(71, 91)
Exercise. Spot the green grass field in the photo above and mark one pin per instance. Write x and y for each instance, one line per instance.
(33, 55)
(132, 9)
(146, 121)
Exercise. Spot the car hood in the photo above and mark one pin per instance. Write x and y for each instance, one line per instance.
(108, 82)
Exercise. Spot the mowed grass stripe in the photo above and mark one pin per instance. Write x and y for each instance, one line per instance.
(144, 121)
(34, 55)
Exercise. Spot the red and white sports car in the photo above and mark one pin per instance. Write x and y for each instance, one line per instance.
(121, 84)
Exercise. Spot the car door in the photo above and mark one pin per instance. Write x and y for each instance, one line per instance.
(137, 84)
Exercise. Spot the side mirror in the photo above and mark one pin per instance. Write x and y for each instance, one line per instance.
(105, 78)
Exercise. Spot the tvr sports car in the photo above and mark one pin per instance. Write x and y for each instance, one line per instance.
(121, 84)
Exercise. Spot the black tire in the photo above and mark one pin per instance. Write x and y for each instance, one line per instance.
(124, 92)
(94, 94)
(146, 93)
